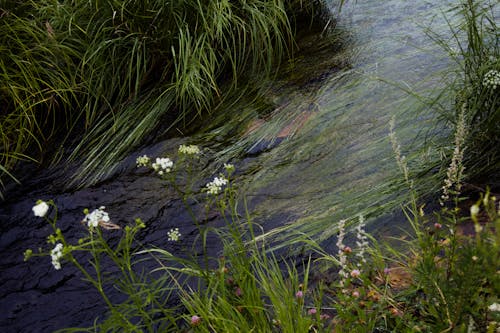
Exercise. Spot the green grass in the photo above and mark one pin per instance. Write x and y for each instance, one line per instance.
(440, 282)
(109, 75)
(475, 46)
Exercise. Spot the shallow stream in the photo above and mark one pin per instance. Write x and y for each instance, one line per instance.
(321, 155)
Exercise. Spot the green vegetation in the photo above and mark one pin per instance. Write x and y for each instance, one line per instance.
(98, 78)
(444, 281)
(475, 47)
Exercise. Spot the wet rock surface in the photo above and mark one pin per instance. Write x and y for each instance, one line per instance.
(37, 298)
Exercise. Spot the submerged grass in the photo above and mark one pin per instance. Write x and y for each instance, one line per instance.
(87, 72)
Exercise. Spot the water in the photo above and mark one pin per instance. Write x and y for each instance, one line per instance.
(341, 162)
(332, 162)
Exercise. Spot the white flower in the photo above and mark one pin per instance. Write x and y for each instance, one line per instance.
(492, 79)
(56, 255)
(229, 167)
(96, 216)
(173, 235)
(342, 253)
(474, 210)
(362, 241)
(215, 187)
(143, 160)
(189, 150)
(495, 307)
(162, 165)
(40, 209)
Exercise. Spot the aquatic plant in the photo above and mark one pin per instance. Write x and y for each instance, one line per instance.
(97, 79)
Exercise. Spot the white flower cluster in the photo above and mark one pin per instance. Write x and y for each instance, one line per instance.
(215, 186)
(342, 253)
(455, 172)
(495, 307)
(362, 241)
(96, 216)
(174, 235)
(492, 79)
(143, 160)
(40, 209)
(56, 255)
(189, 150)
(163, 165)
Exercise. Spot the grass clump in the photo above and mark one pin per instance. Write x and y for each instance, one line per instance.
(109, 75)
(475, 47)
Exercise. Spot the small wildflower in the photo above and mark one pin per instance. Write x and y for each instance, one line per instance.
(162, 165)
(387, 271)
(362, 241)
(41, 208)
(97, 216)
(474, 258)
(455, 172)
(229, 167)
(347, 249)
(438, 225)
(312, 311)
(341, 254)
(195, 320)
(56, 255)
(238, 292)
(474, 210)
(189, 150)
(492, 79)
(215, 187)
(299, 294)
(142, 160)
(495, 307)
(174, 235)
(395, 312)
(355, 273)
(355, 294)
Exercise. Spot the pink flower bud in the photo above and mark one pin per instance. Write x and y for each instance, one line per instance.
(299, 294)
(347, 249)
(312, 311)
(355, 273)
(195, 320)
